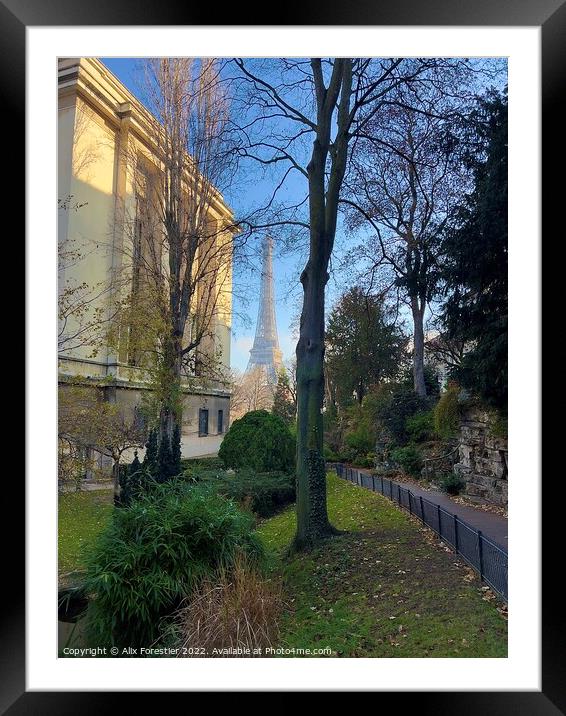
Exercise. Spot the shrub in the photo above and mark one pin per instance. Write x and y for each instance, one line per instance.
(201, 463)
(263, 493)
(367, 460)
(260, 441)
(235, 609)
(150, 457)
(420, 426)
(393, 413)
(330, 455)
(134, 481)
(154, 553)
(453, 484)
(446, 412)
(360, 441)
(409, 458)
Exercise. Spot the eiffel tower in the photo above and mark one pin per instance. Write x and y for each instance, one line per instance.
(265, 352)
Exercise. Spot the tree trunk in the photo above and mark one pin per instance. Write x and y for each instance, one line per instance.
(312, 516)
(170, 413)
(116, 479)
(418, 348)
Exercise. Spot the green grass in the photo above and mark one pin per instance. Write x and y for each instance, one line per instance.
(82, 515)
(384, 588)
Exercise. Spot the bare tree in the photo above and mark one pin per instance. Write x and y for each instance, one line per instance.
(251, 390)
(405, 179)
(328, 102)
(88, 422)
(182, 246)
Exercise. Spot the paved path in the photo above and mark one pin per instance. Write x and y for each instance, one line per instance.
(492, 525)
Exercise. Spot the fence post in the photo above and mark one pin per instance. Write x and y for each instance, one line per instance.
(381, 478)
(373, 483)
(410, 506)
(480, 553)
(455, 533)
(422, 509)
(438, 517)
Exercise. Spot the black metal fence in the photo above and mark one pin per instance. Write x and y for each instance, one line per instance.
(483, 555)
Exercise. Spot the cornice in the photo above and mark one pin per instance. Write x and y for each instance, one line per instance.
(102, 90)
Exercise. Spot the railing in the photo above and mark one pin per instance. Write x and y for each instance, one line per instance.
(483, 555)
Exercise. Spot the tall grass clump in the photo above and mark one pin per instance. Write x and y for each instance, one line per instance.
(155, 553)
(234, 613)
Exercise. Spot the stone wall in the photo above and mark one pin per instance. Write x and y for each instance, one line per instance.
(482, 458)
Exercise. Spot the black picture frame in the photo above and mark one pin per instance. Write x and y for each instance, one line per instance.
(550, 15)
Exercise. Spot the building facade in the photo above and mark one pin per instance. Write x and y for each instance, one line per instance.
(98, 207)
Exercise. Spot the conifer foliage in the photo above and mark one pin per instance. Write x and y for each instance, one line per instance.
(150, 458)
(475, 259)
(283, 403)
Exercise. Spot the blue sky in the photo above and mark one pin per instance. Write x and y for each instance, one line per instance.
(252, 189)
(286, 267)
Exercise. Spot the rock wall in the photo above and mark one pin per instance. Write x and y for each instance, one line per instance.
(482, 458)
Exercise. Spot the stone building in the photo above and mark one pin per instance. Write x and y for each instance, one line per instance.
(98, 119)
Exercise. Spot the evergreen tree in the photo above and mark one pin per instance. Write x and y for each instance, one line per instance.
(150, 458)
(176, 451)
(363, 346)
(164, 461)
(131, 478)
(283, 404)
(475, 259)
(135, 465)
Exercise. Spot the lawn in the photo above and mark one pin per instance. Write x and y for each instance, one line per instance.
(82, 515)
(384, 588)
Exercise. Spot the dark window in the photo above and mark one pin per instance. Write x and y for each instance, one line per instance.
(202, 422)
(220, 421)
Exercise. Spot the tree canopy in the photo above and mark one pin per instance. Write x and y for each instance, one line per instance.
(474, 254)
(363, 345)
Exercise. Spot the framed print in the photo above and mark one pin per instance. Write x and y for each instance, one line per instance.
(71, 66)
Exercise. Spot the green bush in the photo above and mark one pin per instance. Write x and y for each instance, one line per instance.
(264, 493)
(409, 458)
(154, 553)
(330, 455)
(260, 441)
(367, 460)
(446, 412)
(134, 481)
(195, 464)
(360, 441)
(393, 413)
(453, 484)
(420, 426)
